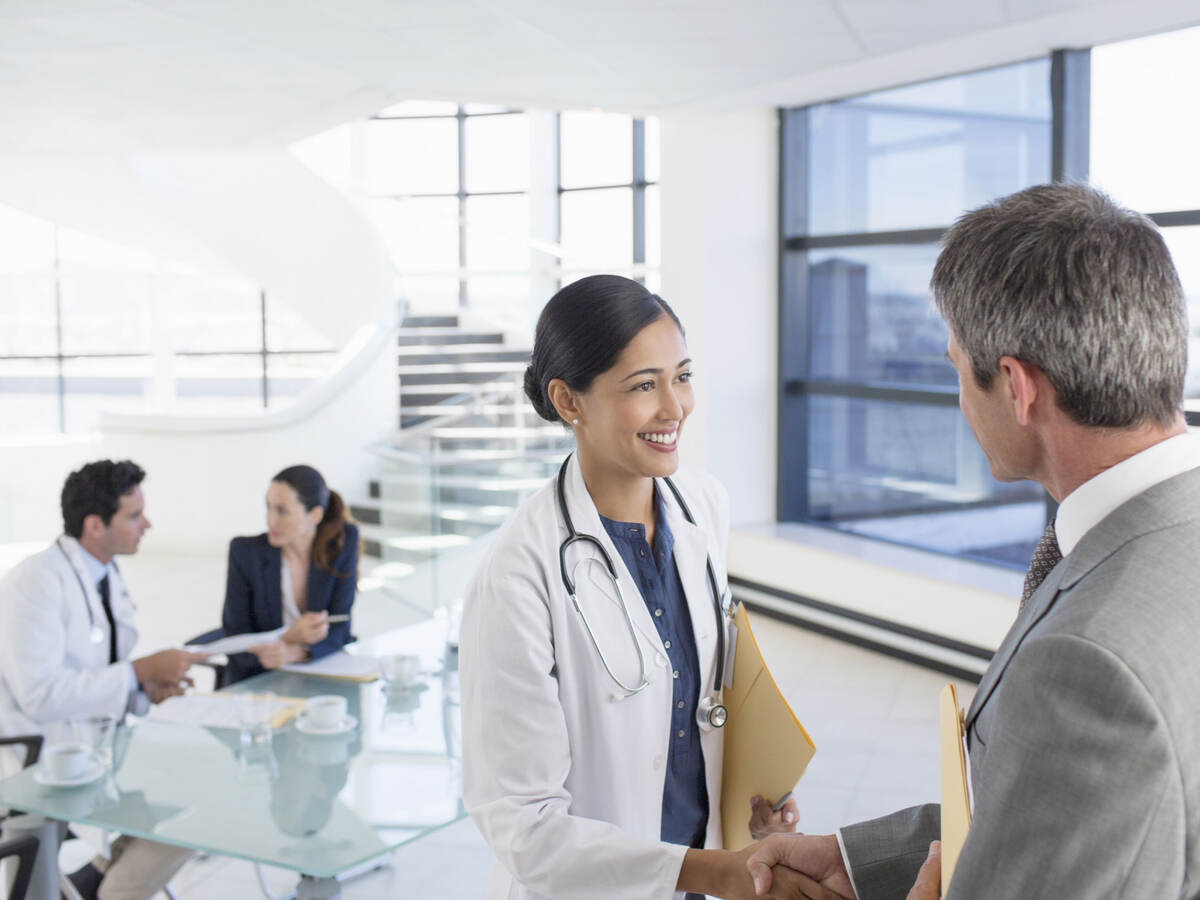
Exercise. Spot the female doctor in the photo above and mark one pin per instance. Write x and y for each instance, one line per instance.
(585, 761)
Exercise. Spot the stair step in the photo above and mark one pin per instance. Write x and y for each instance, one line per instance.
(443, 387)
(480, 409)
(476, 482)
(471, 353)
(429, 322)
(443, 336)
(497, 432)
(365, 513)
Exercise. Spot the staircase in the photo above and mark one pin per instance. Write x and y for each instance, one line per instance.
(468, 449)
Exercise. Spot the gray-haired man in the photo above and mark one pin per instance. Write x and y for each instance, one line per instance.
(1068, 330)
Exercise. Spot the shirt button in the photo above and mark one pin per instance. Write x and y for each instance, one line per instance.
(667, 645)
(680, 733)
(641, 553)
(679, 705)
(658, 612)
(675, 674)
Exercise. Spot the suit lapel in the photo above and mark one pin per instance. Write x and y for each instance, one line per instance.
(1167, 503)
(272, 572)
(1037, 607)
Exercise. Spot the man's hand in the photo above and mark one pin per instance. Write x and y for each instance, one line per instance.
(764, 820)
(158, 691)
(166, 666)
(929, 879)
(817, 856)
(278, 653)
(725, 874)
(310, 628)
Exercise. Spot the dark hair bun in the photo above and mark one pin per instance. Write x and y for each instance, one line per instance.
(541, 402)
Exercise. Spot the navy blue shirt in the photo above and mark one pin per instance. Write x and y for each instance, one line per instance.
(685, 794)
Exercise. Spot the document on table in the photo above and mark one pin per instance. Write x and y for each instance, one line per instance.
(341, 665)
(956, 790)
(766, 748)
(219, 710)
(236, 643)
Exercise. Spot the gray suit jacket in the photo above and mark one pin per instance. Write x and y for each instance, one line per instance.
(1084, 734)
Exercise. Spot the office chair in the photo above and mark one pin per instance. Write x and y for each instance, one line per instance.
(25, 850)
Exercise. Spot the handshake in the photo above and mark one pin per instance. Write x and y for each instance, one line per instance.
(793, 866)
(787, 866)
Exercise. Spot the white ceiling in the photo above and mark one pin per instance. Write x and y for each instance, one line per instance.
(128, 75)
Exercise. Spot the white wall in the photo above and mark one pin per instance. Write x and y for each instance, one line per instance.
(719, 273)
(32, 471)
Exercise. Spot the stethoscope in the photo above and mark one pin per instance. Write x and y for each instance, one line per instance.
(710, 712)
(95, 633)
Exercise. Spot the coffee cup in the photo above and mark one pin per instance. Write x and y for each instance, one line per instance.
(402, 670)
(326, 711)
(65, 762)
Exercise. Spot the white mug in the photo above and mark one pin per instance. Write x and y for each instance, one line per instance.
(326, 711)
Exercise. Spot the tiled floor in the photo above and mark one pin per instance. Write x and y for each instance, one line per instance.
(873, 719)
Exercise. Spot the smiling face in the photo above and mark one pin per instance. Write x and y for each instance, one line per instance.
(632, 416)
(288, 522)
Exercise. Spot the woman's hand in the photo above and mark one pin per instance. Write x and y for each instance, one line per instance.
(310, 628)
(725, 874)
(764, 820)
(278, 653)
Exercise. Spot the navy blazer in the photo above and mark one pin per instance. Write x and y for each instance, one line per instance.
(254, 596)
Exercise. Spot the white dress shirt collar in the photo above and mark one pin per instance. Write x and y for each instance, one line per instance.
(1085, 507)
(96, 569)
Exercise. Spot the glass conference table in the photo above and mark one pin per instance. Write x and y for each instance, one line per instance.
(319, 805)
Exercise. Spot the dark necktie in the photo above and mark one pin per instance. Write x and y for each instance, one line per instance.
(1045, 557)
(102, 586)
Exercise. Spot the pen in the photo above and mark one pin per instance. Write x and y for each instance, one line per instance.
(782, 800)
(339, 618)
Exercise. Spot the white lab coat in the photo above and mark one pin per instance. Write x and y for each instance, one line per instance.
(50, 669)
(562, 774)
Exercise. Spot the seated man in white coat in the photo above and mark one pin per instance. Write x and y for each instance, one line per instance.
(66, 637)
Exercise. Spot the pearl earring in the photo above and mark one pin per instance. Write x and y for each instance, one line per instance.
(574, 421)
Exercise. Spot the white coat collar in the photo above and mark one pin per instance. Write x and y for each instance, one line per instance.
(79, 558)
(691, 552)
(586, 519)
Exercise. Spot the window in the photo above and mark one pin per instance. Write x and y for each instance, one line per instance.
(608, 196)
(87, 325)
(872, 439)
(1143, 148)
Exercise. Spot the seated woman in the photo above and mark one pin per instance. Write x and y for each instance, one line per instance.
(299, 573)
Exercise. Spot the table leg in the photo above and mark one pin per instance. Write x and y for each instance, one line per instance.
(44, 883)
(311, 888)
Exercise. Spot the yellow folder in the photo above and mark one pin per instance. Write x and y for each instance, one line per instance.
(956, 798)
(766, 747)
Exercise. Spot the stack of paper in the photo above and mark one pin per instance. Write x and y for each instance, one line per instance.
(340, 665)
(219, 710)
(766, 747)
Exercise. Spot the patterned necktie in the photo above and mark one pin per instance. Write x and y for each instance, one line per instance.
(1045, 557)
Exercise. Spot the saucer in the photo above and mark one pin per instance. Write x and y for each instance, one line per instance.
(93, 771)
(304, 726)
